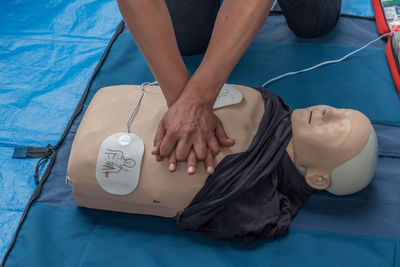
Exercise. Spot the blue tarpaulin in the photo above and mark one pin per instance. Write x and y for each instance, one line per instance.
(48, 51)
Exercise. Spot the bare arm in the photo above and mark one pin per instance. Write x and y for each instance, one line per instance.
(189, 124)
(155, 37)
(189, 121)
(151, 27)
(237, 24)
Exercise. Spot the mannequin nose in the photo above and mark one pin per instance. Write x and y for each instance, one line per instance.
(334, 113)
(321, 111)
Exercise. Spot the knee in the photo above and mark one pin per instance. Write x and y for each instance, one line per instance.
(194, 40)
(311, 18)
(193, 22)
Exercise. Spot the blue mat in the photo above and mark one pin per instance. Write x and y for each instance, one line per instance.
(45, 66)
(112, 239)
(364, 223)
(48, 51)
(358, 8)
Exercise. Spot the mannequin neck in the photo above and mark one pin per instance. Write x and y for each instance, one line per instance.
(290, 151)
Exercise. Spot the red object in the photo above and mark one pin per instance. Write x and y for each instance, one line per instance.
(380, 19)
(106, 174)
(383, 27)
(394, 69)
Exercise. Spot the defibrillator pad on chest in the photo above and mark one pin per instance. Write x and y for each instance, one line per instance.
(228, 95)
(119, 162)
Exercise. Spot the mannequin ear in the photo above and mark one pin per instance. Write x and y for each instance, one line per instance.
(320, 182)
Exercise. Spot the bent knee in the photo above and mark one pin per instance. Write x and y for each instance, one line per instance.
(193, 22)
(311, 18)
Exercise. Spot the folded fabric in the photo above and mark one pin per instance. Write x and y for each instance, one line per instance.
(255, 193)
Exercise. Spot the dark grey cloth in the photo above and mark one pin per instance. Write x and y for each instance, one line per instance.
(255, 193)
(311, 18)
(194, 20)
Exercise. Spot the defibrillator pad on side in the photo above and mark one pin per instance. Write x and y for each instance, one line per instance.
(228, 95)
(119, 162)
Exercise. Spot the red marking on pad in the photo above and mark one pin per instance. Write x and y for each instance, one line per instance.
(106, 174)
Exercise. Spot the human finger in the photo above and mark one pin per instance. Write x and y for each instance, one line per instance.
(183, 148)
(172, 161)
(159, 158)
(200, 148)
(191, 163)
(213, 145)
(168, 144)
(221, 136)
(158, 138)
(209, 162)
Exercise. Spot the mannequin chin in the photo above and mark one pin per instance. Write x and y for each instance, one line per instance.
(334, 149)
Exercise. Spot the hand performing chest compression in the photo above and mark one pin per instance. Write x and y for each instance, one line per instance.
(189, 131)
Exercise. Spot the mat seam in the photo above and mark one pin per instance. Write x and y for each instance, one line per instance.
(77, 111)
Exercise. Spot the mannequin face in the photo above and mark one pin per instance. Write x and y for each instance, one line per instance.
(325, 137)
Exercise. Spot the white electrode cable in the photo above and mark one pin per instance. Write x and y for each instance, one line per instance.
(138, 103)
(325, 62)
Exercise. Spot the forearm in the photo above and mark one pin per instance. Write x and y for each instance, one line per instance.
(237, 24)
(151, 27)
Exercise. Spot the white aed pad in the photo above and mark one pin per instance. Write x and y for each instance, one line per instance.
(228, 95)
(119, 162)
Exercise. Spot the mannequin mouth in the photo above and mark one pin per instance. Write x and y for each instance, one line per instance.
(309, 118)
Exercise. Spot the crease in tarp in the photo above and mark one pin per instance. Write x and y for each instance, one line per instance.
(48, 50)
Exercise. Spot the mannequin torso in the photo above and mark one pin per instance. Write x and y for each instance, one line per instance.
(159, 192)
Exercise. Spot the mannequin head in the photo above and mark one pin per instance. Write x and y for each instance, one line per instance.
(335, 149)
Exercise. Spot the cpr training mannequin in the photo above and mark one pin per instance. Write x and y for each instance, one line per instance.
(332, 149)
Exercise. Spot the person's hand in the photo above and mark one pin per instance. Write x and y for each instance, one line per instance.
(189, 125)
(191, 163)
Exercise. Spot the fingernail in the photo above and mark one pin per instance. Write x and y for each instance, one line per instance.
(171, 167)
(153, 149)
(190, 170)
(210, 170)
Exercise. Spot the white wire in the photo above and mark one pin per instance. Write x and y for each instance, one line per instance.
(267, 82)
(325, 62)
(138, 103)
